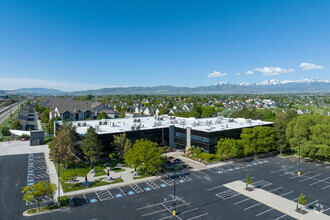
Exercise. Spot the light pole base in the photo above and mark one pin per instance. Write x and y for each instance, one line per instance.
(174, 213)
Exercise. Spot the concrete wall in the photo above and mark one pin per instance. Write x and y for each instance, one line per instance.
(19, 132)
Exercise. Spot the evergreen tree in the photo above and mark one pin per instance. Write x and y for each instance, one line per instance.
(91, 146)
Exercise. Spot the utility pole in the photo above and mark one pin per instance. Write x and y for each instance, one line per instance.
(299, 157)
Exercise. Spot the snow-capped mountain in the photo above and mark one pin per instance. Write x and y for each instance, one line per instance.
(275, 82)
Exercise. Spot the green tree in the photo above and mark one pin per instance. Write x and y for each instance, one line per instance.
(122, 115)
(248, 180)
(16, 125)
(230, 148)
(102, 115)
(70, 175)
(45, 116)
(121, 144)
(91, 146)
(170, 104)
(88, 97)
(257, 140)
(5, 131)
(145, 156)
(63, 147)
(280, 126)
(302, 200)
(314, 132)
(50, 128)
(38, 191)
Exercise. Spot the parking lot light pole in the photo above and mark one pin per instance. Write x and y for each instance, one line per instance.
(299, 157)
(58, 177)
(174, 211)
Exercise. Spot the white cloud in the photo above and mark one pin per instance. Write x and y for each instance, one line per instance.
(273, 71)
(310, 66)
(216, 74)
(249, 72)
(238, 74)
(17, 83)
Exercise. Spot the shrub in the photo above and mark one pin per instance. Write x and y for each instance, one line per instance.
(5, 131)
(206, 156)
(198, 151)
(191, 149)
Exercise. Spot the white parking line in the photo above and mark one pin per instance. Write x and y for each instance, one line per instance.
(280, 217)
(311, 203)
(122, 191)
(252, 206)
(214, 188)
(325, 210)
(311, 177)
(189, 210)
(85, 198)
(264, 212)
(195, 175)
(299, 176)
(285, 167)
(152, 205)
(275, 189)
(286, 193)
(242, 201)
(198, 216)
(151, 213)
(170, 211)
(326, 187)
(319, 181)
(288, 172)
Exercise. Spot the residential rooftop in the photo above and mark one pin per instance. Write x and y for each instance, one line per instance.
(108, 126)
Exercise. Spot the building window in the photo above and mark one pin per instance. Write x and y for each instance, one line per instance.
(180, 135)
(199, 138)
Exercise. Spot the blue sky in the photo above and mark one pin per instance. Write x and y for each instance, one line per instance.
(78, 45)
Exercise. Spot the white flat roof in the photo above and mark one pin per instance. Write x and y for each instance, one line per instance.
(119, 125)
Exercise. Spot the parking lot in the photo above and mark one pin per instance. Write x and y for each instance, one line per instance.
(37, 172)
(199, 195)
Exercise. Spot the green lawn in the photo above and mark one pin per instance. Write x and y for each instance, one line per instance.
(68, 188)
(83, 169)
(64, 202)
(142, 176)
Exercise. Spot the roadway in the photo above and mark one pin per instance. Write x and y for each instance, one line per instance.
(5, 113)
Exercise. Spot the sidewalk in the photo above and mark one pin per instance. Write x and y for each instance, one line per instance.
(276, 202)
(52, 173)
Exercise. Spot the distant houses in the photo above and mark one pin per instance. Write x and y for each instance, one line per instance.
(74, 110)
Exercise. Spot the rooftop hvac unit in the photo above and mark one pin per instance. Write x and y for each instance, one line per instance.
(103, 120)
(194, 124)
(137, 127)
(155, 124)
(97, 127)
(226, 126)
(78, 124)
(132, 127)
(84, 124)
(100, 122)
(159, 123)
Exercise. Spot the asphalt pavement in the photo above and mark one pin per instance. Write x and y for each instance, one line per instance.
(199, 195)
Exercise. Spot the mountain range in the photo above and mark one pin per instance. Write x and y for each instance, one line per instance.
(268, 86)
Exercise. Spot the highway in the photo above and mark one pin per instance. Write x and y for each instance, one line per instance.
(5, 113)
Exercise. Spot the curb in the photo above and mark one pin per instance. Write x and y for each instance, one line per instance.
(44, 212)
(111, 186)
